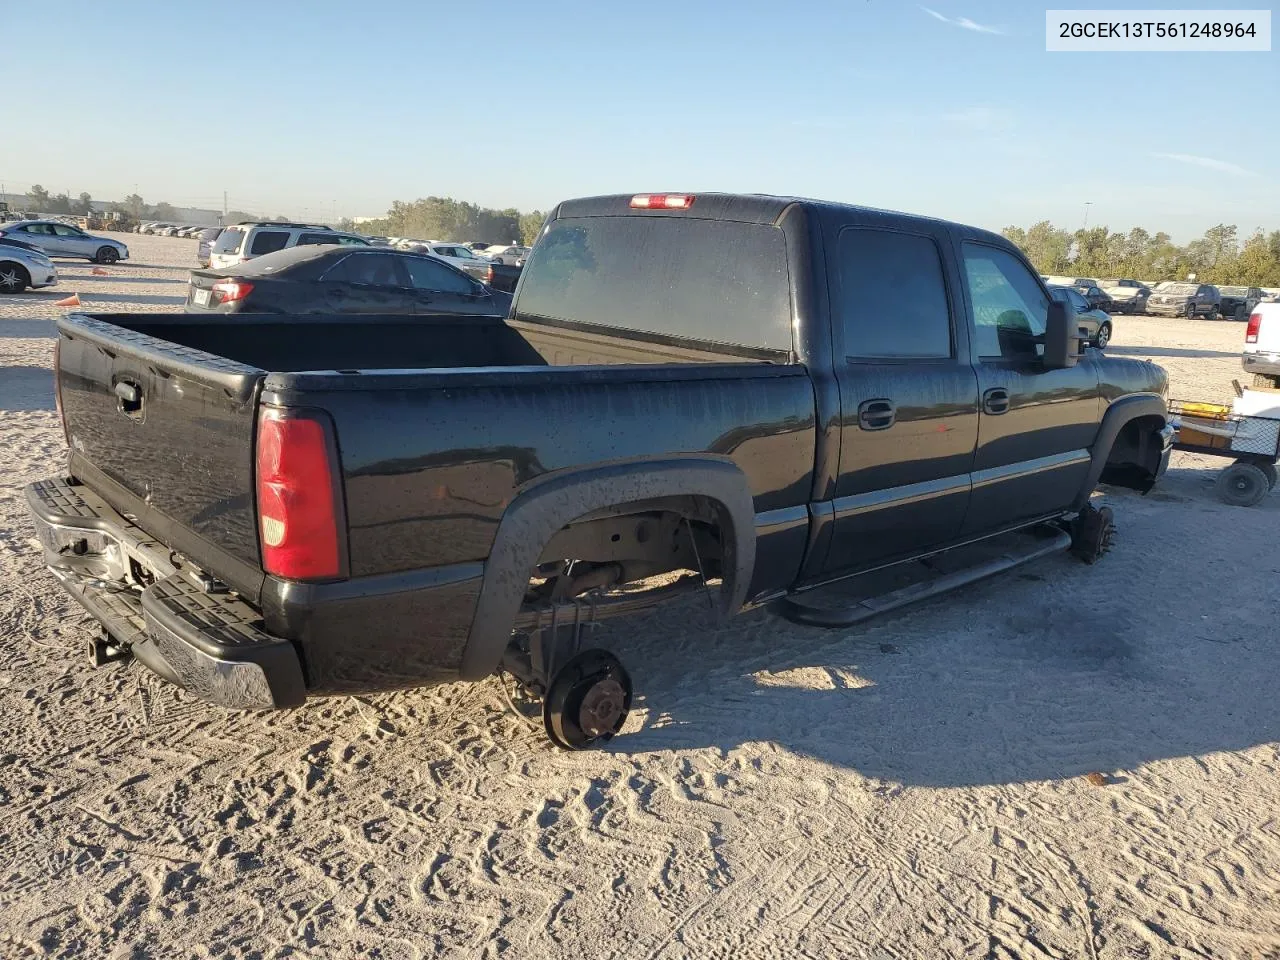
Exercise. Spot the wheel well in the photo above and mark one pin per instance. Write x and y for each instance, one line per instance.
(15, 263)
(1135, 454)
(628, 542)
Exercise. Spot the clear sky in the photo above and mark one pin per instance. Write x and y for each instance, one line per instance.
(336, 106)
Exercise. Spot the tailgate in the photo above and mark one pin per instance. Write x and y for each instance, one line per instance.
(165, 433)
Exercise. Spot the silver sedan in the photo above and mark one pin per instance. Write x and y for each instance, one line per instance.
(22, 266)
(59, 239)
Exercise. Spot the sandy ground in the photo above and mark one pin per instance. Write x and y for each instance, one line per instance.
(914, 787)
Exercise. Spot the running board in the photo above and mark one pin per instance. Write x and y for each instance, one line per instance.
(1040, 541)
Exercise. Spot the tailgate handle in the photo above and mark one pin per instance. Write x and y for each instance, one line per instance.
(130, 395)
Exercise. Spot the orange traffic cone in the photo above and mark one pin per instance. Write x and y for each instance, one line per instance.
(71, 301)
(99, 272)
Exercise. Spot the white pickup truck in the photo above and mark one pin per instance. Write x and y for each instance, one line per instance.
(1130, 296)
(1262, 345)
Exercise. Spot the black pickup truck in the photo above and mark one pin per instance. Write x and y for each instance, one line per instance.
(688, 390)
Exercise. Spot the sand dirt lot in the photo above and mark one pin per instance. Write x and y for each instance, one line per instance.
(915, 787)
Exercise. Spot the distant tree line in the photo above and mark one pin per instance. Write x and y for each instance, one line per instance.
(443, 218)
(1218, 257)
(41, 201)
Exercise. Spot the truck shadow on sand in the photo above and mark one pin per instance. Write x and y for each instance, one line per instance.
(1052, 672)
(116, 278)
(33, 329)
(26, 388)
(1168, 352)
(91, 298)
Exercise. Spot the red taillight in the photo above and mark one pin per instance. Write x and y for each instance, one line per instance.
(57, 390)
(662, 201)
(1251, 331)
(225, 291)
(299, 503)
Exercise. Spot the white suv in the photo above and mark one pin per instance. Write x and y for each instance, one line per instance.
(1262, 345)
(510, 254)
(244, 241)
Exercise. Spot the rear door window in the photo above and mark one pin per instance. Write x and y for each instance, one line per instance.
(229, 241)
(904, 271)
(371, 269)
(681, 278)
(268, 241)
(432, 275)
(313, 238)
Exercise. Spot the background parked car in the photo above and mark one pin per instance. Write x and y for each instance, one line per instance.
(1055, 281)
(1174, 298)
(461, 257)
(343, 279)
(254, 238)
(1271, 294)
(204, 246)
(501, 276)
(24, 265)
(1128, 296)
(1096, 323)
(1261, 355)
(1098, 298)
(1238, 302)
(63, 240)
(506, 253)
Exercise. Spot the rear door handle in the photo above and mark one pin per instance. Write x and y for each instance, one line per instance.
(995, 401)
(876, 414)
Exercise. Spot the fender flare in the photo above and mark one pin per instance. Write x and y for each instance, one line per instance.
(1118, 414)
(548, 504)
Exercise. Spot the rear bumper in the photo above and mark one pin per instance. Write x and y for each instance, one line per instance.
(1268, 363)
(212, 644)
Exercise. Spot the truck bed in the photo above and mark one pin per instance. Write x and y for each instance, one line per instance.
(438, 420)
(287, 344)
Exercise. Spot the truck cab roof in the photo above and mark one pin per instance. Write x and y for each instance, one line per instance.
(742, 207)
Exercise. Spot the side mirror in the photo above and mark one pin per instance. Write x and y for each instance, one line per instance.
(1061, 337)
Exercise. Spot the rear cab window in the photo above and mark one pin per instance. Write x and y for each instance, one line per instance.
(664, 279)
(268, 241)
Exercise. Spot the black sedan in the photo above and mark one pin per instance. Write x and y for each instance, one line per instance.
(326, 278)
(1097, 298)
